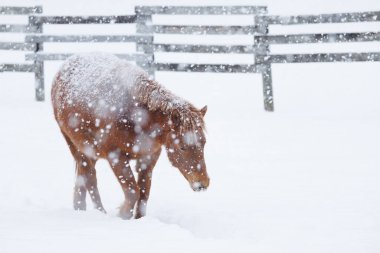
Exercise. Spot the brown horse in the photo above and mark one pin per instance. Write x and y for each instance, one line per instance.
(107, 108)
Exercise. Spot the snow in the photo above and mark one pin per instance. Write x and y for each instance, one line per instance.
(84, 79)
(302, 179)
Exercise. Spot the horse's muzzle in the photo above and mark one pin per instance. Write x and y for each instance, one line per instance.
(200, 186)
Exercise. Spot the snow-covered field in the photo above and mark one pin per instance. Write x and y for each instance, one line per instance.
(302, 179)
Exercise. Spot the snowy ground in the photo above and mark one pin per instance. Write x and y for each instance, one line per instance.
(302, 179)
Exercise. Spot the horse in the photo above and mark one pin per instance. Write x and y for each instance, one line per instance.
(107, 108)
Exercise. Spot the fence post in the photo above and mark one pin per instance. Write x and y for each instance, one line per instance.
(262, 48)
(39, 75)
(267, 86)
(144, 27)
(38, 64)
(39, 80)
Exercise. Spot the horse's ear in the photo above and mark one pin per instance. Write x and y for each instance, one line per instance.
(176, 118)
(204, 110)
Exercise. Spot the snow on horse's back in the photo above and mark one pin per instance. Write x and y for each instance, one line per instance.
(108, 108)
(97, 78)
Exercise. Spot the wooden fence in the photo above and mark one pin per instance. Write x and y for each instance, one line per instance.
(264, 59)
(145, 13)
(19, 28)
(146, 47)
(144, 59)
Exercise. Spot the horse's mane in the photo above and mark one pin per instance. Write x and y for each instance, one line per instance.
(157, 98)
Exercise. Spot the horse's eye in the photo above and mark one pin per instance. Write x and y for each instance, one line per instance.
(183, 148)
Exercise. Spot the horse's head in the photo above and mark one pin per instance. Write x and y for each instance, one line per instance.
(185, 145)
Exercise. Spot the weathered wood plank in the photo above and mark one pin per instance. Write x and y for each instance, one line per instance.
(176, 29)
(83, 19)
(266, 72)
(89, 38)
(11, 10)
(147, 66)
(218, 68)
(261, 48)
(204, 10)
(144, 24)
(317, 38)
(145, 48)
(323, 18)
(305, 58)
(39, 78)
(17, 46)
(18, 28)
(212, 49)
(60, 57)
(17, 68)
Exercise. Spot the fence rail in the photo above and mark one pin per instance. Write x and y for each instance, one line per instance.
(18, 28)
(88, 38)
(320, 19)
(18, 46)
(83, 19)
(61, 57)
(17, 67)
(204, 10)
(214, 49)
(10, 10)
(146, 47)
(318, 38)
(171, 29)
(309, 58)
(218, 68)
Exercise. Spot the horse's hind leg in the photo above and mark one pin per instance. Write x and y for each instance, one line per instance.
(79, 200)
(85, 179)
(86, 176)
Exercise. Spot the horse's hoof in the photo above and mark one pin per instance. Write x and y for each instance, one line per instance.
(139, 216)
(101, 209)
(126, 213)
(80, 206)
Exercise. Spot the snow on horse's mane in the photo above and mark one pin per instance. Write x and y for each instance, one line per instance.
(89, 77)
(156, 97)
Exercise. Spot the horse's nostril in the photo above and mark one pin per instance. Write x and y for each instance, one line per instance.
(199, 189)
(202, 188)
(197, 186)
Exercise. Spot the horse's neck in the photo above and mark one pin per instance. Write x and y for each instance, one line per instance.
(156, 97)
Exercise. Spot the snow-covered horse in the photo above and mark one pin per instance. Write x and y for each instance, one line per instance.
(107, 108)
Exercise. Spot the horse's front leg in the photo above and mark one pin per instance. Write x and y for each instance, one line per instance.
(144, 167)
(124, 175)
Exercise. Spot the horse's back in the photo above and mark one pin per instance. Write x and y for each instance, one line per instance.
(97, 82)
